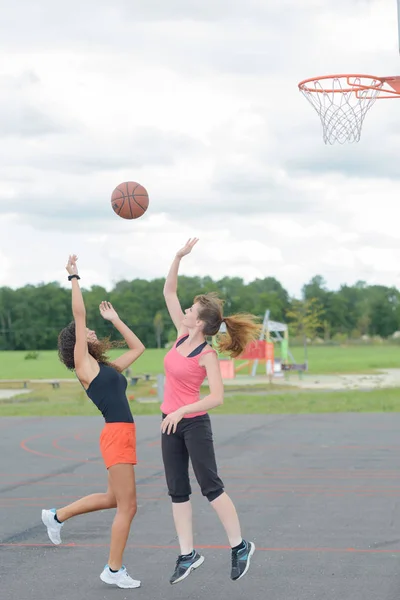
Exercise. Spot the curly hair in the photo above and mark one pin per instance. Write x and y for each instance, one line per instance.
(99, 349)
(241, 329)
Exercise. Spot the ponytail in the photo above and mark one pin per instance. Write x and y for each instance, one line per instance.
(241, 329)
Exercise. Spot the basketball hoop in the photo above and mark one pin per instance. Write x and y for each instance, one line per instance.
(342, 101)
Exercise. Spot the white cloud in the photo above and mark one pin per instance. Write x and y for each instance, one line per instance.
(198, 101)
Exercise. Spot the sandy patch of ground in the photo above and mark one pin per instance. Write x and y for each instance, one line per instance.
(384, 379)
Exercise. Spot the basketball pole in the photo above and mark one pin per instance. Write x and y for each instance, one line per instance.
(398, 22)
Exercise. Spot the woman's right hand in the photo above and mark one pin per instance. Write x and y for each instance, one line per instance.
(71, 265)
(187, 248)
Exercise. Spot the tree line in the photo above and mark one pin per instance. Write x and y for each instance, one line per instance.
(32, 316)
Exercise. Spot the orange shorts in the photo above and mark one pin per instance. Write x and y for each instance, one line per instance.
(118, 444)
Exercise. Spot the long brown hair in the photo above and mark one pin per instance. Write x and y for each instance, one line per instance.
(241, 328)
(99, 349)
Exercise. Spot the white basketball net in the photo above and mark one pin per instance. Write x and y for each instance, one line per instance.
(342, 104)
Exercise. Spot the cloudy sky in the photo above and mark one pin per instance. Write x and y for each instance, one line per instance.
(198, 101)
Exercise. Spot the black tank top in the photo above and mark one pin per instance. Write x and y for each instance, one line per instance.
(194, 352)
(108, 392)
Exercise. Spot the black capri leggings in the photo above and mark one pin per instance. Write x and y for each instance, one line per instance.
(193, 438)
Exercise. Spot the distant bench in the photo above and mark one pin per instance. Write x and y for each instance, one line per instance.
(15, 382)
(294, 367)
(300, 368)
(55, 383)
(134, 380)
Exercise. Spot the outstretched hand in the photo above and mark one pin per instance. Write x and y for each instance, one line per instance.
(108, 312)
(187, 248)
(71, 265)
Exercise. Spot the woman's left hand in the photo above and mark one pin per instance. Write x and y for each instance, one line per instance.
(108, 312)
(171, 421)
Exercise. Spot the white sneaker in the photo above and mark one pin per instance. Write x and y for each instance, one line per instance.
(53, 527)
(120, 578)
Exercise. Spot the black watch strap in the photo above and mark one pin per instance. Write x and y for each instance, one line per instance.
(72, 276)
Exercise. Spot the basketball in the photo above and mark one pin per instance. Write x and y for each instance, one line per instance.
(130, 200)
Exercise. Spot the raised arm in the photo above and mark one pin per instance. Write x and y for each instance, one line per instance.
(81, 354)
(171, 285)
(136, 348)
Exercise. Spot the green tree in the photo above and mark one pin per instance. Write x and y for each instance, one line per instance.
(32, 316)
(306, 319)
(158, 327)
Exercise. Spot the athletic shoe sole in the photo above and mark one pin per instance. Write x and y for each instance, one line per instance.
(192, 567)
(105, 579)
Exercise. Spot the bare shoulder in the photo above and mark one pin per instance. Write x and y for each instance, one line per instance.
(208, 358)
(87, 371)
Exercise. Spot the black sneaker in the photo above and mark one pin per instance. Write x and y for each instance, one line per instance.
(185, 565)
(241, 560)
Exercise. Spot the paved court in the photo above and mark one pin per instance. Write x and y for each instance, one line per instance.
(319, 495)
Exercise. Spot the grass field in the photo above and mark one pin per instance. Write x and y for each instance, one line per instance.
(70, 400)
(322, 360)
(47, 366)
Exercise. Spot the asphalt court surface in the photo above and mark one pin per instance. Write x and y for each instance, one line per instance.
(318, 494)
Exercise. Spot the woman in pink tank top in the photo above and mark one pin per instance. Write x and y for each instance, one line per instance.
(186, 426)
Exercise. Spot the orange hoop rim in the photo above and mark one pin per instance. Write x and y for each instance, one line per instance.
(393, 81)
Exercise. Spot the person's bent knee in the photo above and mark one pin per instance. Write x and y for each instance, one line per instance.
(180, 499)
(132, 508)
(111, 502)
(211, 496)
(128, 508)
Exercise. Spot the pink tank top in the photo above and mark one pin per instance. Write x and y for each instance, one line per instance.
(183, 378)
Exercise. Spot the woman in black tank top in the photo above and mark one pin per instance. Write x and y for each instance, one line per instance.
(81, 351)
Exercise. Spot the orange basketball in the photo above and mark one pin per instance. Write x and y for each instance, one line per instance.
(130, 200)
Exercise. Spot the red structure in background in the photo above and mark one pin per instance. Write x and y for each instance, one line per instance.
(254, 350)
(258, 350)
